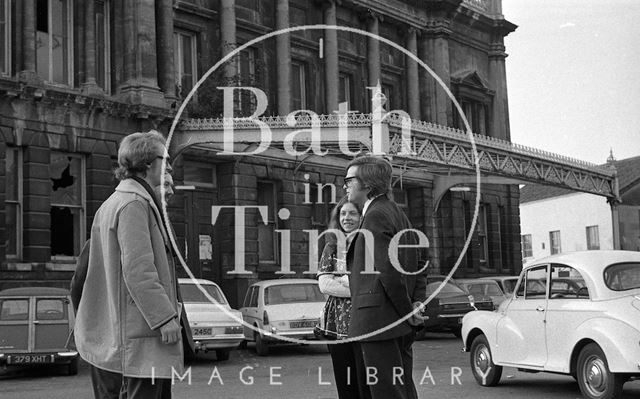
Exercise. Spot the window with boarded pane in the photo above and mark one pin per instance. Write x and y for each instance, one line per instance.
(13, 203)
(267, 239)
(67, 204)
(593, 237)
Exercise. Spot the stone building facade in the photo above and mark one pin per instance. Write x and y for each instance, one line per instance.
(79, 75)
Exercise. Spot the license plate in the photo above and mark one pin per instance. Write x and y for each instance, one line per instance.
(303, 324)
(200, 331)
(28, 359)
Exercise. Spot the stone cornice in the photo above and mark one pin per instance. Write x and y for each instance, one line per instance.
(65, 97)
(387, 10)
(193, 9)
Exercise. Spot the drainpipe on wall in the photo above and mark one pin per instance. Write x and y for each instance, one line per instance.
(615, 218)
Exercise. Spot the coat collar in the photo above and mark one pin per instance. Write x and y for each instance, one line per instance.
(132, 186)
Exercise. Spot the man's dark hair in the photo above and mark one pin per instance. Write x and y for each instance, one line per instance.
(374, 173)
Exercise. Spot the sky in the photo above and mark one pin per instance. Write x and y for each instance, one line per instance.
(573, 76)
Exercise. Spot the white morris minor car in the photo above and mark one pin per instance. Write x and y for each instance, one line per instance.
(288, 308)
(592, 334)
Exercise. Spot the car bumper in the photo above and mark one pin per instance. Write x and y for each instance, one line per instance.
(444, 321)
(218, 342)
(37, 358)
(306, 334)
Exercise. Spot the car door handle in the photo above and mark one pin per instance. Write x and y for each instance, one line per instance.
(540, 309)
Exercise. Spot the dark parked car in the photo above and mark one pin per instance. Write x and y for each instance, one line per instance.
(35, 328)
(445, 311)
(480, 287)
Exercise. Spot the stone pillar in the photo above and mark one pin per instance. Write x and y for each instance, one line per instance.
(140, 84)
(28, 70)
(373, 50)
(331, 65)
(164, 28)
(228, 36)
(427, 104)
(283, 56)
(413, 83)
(443, 102)
(498, 76)
(89, 84)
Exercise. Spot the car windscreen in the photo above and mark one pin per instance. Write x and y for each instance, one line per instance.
(484, 289)
(448, 288)
(622, 276)
(192, 294)
(292, 293)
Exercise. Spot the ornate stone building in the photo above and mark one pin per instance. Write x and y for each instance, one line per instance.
(79, 75)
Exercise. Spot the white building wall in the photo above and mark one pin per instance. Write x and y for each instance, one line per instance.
(570, 214)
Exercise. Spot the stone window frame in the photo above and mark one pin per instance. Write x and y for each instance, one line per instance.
(178, 58)
(18, 201)
(303, 75)
(69, 42)
(473, 94)
(6, 41)
(82, 207)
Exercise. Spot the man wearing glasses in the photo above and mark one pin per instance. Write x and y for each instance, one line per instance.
(127, 323)
(382, 298)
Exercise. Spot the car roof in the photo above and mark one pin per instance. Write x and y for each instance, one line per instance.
(499, 277)
(34, 291)
(282, 281)
(476, 281)
(200, 281)
(589, 259)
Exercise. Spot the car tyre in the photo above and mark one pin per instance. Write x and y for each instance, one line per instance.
(595, 379)
(72, 368)
(222, 354)
(484, 370)
(262, 348)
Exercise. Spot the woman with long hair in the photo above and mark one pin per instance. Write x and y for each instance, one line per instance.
(334, 281)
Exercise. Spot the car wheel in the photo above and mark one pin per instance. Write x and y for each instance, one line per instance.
(222, 354)
(484, 370)
(594, 378)
(262, 348)
(457, 332)
(72, 368)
